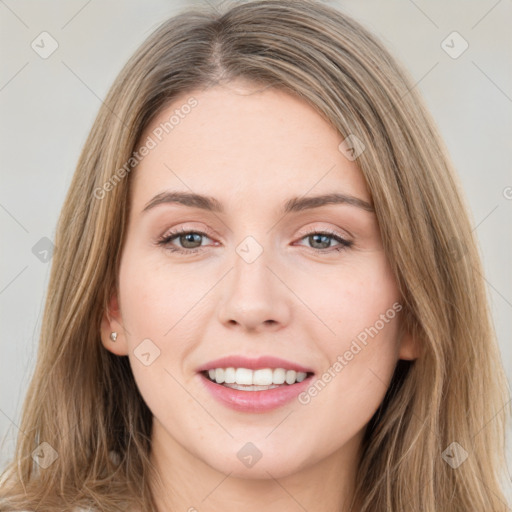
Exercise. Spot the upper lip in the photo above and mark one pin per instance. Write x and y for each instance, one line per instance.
(238, 361)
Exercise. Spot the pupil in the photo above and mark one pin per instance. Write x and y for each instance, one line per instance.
(189, 238)
(316, 237)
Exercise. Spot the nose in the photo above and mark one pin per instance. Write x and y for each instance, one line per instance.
(255, 297)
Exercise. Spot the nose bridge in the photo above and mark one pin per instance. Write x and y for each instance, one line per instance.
(254, 297)
(251, 266)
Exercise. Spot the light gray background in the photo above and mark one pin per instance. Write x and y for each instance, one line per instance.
(48, 106)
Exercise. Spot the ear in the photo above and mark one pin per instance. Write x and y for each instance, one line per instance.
(409, 347)
(112, 322)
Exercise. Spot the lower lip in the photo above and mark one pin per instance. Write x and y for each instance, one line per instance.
(255, 401)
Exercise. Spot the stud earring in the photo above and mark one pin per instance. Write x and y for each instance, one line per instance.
(113, 336)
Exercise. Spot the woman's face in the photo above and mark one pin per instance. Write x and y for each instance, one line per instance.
(252, 280)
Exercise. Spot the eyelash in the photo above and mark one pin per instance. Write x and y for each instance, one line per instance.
(165, 241)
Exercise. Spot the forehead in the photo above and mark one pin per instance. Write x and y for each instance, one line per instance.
(245, 142)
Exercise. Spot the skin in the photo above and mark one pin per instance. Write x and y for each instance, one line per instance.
(253, 149)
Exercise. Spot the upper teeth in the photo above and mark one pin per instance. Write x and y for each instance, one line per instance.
(263, 377)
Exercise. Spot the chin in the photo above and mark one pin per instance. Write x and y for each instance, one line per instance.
(246, 463)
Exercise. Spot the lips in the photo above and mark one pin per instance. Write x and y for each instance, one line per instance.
(258, 363)
(255, 398)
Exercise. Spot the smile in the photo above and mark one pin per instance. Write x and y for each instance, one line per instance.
(246, 379)
(254, 391)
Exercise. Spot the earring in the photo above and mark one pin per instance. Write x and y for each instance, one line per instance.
(113, 336)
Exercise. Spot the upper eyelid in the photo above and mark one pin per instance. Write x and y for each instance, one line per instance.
(179, 231)
(209, 232)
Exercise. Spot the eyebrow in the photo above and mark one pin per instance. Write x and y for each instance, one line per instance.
(295, 204)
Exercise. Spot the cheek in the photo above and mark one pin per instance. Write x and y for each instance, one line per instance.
(155, 296)
(346, 395)
(353, 298)
(362, 347)
(161, 314)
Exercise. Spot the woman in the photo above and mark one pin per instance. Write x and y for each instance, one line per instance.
(328, 348)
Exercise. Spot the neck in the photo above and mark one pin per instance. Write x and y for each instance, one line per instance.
(188, 483)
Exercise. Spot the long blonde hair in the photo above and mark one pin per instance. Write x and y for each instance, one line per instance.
(83, 400)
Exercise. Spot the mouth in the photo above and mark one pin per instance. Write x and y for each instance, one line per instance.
(254, 385)
(263, 379)
(254, 391)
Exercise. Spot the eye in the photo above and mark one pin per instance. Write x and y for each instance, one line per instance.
(324, 239)
(191, 241)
